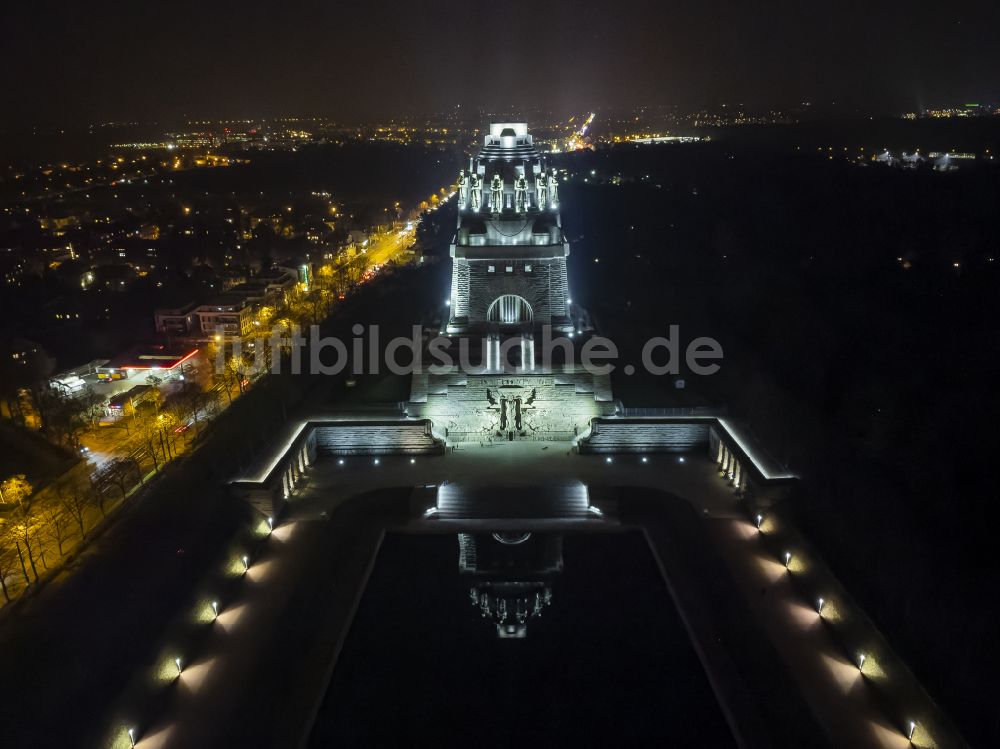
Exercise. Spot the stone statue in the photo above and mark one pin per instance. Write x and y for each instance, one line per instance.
(496, 194)
(476, 196)
(463, 187)
(520, 194)
(542, 191)
(553, 189)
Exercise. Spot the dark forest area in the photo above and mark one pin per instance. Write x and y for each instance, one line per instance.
(856, 304)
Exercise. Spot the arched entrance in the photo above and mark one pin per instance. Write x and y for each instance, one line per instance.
(509, 309)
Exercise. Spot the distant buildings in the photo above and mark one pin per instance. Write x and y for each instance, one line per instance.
(232, 313)
(947, 113)
(155, 359)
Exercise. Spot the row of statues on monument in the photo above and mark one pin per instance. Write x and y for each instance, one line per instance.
(470, 192)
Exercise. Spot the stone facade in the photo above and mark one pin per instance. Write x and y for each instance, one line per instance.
(509, 240)
(499, 407)
(540, 281)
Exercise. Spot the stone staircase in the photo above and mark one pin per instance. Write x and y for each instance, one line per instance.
(556, 502)
(624, 435)
(377, 438)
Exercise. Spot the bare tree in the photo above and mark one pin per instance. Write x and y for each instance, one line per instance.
(58, 526)
(184, 404)
(8, 562)
(16, 490)
(11, 541)
(223, 381)
(74, 498)
(25, 534)
(149, 437)
(213, 400)
(91, 404)
(237, 366)
(115, 473)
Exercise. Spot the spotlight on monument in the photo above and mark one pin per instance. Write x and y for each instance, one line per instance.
(246, 563)
(131, 737)
(861, 661)
(177, 662)
(270, 525)
(760, 519)
(820, 602)
(910, 731)
(788, 558)
(215, 608)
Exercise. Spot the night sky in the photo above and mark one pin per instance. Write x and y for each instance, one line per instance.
(80, 62)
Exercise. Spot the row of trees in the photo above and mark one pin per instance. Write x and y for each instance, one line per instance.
(332, 282)
(37, 529)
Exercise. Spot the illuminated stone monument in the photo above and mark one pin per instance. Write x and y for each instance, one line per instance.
(509, 270)
(508, 286)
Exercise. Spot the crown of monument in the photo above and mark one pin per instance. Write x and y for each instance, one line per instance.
(508, 140)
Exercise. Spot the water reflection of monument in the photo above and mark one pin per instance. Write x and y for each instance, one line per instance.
(512, 574)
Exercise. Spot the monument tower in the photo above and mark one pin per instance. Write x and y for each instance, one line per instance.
(509, 252)
(509, 287)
